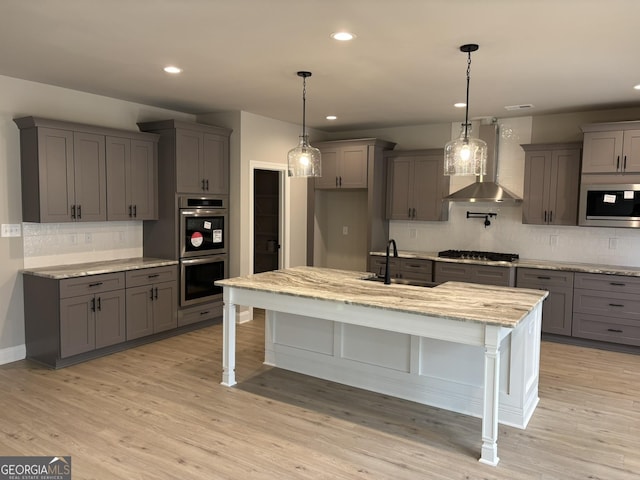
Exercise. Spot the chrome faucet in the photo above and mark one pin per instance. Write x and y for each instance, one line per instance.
(387, 273)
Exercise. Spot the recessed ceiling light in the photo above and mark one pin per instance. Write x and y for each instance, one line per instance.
(172, 69)
(343, 36)
(637, 87)
(331, 117)
(460, 105)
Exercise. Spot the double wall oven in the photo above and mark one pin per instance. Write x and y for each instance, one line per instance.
(203, 224)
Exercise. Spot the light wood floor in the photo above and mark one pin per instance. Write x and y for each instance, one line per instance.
(159, 412)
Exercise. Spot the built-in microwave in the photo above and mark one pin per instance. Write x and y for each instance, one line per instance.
(610, 205)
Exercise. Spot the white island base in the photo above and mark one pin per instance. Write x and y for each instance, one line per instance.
(420, 345)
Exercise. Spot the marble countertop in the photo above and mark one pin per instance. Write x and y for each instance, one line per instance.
(59, 272)
(502, 306)
(528, 263)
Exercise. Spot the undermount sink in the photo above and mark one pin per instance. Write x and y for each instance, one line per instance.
(403, 281)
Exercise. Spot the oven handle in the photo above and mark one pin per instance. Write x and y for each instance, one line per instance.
(204, 259)
(201, 212)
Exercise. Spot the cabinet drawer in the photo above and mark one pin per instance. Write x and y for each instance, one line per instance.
(377, 264)
(472, 273)
(72, 287)
(608, 283)
(147, 276)
(199, 313)
(608, 304)
(606, 329)
(418, 269)
(534, 277)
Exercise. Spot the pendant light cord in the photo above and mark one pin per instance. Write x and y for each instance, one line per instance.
(304, 104)
(466, 113)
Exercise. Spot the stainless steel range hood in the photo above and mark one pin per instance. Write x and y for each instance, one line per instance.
(486, 188)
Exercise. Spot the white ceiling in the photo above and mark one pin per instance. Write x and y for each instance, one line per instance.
(403, 68)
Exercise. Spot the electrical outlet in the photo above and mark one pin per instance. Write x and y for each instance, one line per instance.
(553, 240)
(88, 237)
(345, 230)
(413, 233)
(613, 243)
(11, 230)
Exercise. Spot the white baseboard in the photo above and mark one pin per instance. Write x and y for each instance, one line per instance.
(13, 354)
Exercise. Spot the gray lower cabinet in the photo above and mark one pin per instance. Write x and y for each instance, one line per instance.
(152, 301)
(607, 307)
(557, 309)
(405, 268)
(474, 273)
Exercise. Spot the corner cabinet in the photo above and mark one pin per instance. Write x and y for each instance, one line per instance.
(194, 157)
(70, 172)
(611, 148)
(344, 165)
(551, 184)
(416, 185)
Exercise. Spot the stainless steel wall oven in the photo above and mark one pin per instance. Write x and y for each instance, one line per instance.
(203, 246)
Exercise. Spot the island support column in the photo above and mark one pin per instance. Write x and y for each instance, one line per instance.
(489, 453)
(229, 339)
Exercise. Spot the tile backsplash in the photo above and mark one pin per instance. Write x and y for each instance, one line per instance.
(47, 244)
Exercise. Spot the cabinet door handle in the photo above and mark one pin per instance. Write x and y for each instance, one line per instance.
(79, 211)
(550, 216)
(97, 284)
(151, 296)
(615, 330)
(207, 184)
(73, 211)
(618, 163)
(202, 181)
(409, 213)
(544, 278)
(135, 210)
(340, 180)
(545, 216)
(99, 303)
(414, 213)
(156, 296)
(616, 305)
(624, 164)
(336, 181)
(617, 284)
(93, 304)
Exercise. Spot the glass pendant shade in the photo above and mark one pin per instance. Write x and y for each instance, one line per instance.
(465, 155)
(304, 160)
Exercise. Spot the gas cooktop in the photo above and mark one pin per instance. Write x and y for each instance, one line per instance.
(476, 255)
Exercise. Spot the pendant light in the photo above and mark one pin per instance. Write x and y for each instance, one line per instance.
(466, 155)
(304, 160)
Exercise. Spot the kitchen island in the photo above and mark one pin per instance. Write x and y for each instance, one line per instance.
(468, 348)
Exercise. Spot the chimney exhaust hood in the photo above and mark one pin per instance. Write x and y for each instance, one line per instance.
(486, 188)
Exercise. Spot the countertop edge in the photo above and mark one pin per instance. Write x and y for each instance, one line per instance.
(61, 272)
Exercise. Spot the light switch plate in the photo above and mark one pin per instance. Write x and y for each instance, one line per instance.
(11, 230)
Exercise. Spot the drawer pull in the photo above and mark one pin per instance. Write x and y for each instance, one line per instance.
(615, 330)
(616, 284)
(153, 276)
(204, 313)
(544, 278)
(97, 284)
(616, 305)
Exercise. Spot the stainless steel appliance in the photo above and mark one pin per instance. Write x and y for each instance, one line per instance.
(610, 205)
(203, 223)
(478, 255)
(198, 275)
(202, 233)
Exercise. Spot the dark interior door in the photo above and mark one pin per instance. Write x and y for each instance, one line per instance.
(266, 220)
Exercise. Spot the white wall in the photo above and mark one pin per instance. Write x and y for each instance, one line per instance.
(49, 244)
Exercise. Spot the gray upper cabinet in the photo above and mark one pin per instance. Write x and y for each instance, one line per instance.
(343, 166)
(611, 148)
(416, 185)
(64, 171)
(551, 184)
(194, 158)
(131, 179)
